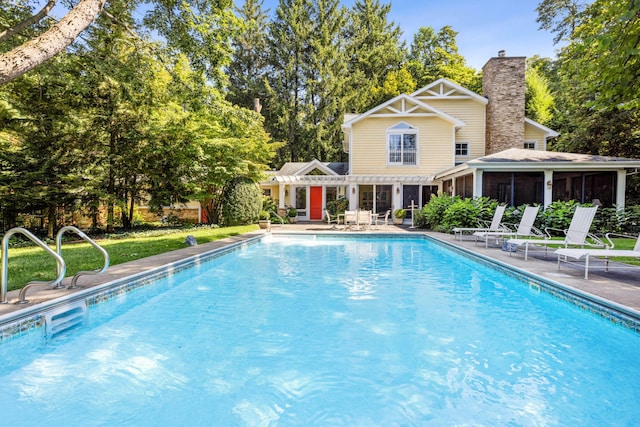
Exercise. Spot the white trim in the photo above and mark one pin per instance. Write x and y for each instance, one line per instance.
(315, 164)
(549, 133)
(409, 130)
(530, 141)
(404, 98)
(437, 90)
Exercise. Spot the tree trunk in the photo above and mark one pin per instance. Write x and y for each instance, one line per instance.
(37, 51)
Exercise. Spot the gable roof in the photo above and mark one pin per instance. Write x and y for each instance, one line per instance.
(302, 168)
(550, 133)
(446, 89)
(402, 106)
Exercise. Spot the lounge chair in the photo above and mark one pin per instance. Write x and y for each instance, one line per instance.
(525, 228)
(495, 225)
(576, 235)
(587, 253)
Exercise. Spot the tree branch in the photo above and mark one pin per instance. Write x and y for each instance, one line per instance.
(27, 22)
(34, 52)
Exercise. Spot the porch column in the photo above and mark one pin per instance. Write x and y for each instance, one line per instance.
(621, 188)
(280, 195)
(353, 196)
(397, 196)
(547, 193)
(477, 183)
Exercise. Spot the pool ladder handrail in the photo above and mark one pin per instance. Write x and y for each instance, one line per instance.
(279, 217)
(89, 240)
(4, 271)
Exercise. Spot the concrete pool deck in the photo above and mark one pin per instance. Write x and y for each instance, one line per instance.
(620, 286)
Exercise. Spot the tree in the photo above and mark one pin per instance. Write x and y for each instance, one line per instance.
(561, 17)
(373, 51)
(247, 70)
(289, 35)
(40, 49)
(539, 100)
(435, 55)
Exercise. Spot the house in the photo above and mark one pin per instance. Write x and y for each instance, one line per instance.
(446, 138)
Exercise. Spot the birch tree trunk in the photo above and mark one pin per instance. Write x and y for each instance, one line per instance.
(37, 51)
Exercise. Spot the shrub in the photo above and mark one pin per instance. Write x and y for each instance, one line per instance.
(292, 213)
(264, 215)
(461, 213)
(242, 202)
(399, 213)
(337, 206)
(433, 212)
(557, 215)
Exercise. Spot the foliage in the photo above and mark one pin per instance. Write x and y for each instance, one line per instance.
(337, 206)
(399, 213)
(558, 215)
(242, 202)
(539, 100)
(268, 204)
(435, 55)
(263, 216)
(292, 212)
(434, 211)
(460, 213)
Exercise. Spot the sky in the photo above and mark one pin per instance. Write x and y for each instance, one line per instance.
(484, 26)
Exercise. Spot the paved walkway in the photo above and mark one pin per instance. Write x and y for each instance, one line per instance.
(621, 286)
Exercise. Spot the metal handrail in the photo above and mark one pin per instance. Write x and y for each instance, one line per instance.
(74, 280)
(4, 272)
(279, 217)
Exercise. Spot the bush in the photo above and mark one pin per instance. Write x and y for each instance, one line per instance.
(292, 213)
(242, 202)
(399, 213)
(337, 206)
(557, 215)
(432, 213)
(264, 215)
(461, 213)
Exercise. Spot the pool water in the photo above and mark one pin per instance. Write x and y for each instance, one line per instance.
(330, 332)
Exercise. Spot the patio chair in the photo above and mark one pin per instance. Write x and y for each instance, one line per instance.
(495, 225)
(525, 228)
(576, 235)
(364, 220)
(333, 222)
(608, 252)
(350, 219)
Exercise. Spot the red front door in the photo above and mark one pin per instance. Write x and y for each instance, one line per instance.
(315, 202)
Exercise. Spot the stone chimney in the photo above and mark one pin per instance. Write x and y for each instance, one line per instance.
(504, 85)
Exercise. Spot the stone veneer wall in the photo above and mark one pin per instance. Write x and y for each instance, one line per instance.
(504, 85)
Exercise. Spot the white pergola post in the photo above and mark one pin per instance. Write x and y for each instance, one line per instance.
(281, 195)
(620, 189)
(547, 197)
(477, 183)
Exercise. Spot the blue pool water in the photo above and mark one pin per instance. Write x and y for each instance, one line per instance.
(330, 332)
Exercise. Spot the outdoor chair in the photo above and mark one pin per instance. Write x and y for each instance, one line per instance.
(495, 225)
(525, 228)
(333, 222)
(588, 253)
(576, 235)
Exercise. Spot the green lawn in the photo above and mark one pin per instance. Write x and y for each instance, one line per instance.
(33, 263)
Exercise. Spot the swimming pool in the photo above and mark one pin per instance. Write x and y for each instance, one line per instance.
(328, 331)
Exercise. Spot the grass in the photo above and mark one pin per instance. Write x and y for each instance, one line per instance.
(32, 263)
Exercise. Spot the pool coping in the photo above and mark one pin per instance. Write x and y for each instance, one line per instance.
(19, 321)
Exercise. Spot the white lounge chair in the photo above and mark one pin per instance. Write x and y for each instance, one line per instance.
(576, 235)
(525, 228)
(350, 219)
(364, 220)
(587, 253)
(495, 225)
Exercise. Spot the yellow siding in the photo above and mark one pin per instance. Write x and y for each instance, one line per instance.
(472, 113)
(533, 134)
(369, 146)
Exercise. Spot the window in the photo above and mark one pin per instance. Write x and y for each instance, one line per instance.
(462, 149)
(402, 144)
(530, 145)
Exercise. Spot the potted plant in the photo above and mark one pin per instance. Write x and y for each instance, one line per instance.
(264, 221)
(398, 216)
(292, 213)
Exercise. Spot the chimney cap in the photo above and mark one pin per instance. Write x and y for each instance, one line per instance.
(502, 53)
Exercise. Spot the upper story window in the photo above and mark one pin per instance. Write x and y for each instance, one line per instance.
(530, 145)
(402, 144)
(462, 149)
